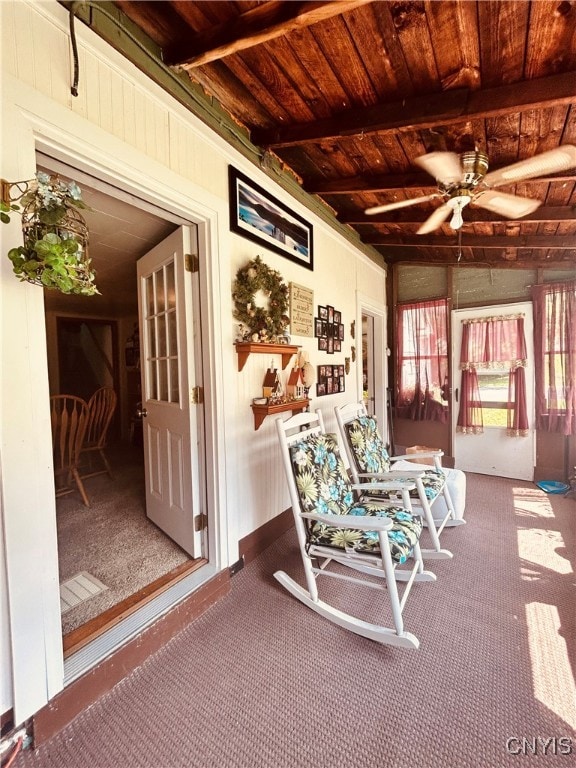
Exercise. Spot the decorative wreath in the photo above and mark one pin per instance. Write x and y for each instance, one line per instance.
(267, 323)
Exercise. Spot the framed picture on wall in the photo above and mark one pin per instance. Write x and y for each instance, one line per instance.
(260, 217)
(330, 380)
(329, 329)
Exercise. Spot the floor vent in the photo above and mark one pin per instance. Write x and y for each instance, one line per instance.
(78, 589)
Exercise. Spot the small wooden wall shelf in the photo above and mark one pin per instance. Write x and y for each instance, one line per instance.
(245, 348)
(261, 411)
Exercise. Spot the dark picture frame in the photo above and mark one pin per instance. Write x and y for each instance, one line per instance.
(330, 380)
(262, 218)
(329, 329)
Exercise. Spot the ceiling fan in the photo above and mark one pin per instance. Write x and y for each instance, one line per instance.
(464, 180)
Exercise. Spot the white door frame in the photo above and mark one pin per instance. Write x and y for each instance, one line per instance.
(39, 671)
(365, 305)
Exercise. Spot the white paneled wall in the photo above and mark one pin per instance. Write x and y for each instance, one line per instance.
(125, 127)
(116, 98)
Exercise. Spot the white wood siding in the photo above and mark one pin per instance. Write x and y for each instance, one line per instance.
(122, 123)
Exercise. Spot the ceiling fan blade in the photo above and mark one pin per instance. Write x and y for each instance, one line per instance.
(400, 204)
(434, 221)
(443, 166)
(510, 206)
(560, 159)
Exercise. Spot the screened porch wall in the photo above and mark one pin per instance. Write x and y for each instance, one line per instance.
(475, 287)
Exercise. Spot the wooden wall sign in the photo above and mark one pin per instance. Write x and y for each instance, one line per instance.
(301, 310)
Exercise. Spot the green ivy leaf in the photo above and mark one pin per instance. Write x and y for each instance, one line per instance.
(70, 246)
(15, 255)
(52, 215)
(46, 278)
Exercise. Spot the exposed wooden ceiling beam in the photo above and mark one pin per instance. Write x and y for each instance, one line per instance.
(475, 241)
(258, 25)
(401, 181)
(415, 215)
(493, 259)
(431, 111)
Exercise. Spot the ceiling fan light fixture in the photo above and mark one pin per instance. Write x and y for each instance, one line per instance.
(457, 203)
(474, 167)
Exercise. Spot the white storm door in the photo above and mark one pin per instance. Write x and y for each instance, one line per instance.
(494, 452)
(169, 422)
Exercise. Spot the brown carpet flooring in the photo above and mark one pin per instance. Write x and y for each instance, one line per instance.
(261, 681)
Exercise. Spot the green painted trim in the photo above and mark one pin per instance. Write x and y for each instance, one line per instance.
(113, 26)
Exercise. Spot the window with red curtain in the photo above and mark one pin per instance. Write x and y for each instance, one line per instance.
(493, 343)
(555, 356)
(422, 361)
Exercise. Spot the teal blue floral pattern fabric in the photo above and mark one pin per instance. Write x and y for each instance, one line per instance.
(324, 487)
(371, 456)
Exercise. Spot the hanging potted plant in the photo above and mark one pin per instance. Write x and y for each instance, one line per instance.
(54, 253)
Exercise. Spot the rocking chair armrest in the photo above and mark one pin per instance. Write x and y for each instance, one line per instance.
(419, 455)
(398, 485)
(396, 475)
(356, 522)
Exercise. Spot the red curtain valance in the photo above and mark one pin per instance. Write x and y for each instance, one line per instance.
(493, 342)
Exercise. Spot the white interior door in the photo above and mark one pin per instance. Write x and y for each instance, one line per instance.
(170, 422)
(494, 452)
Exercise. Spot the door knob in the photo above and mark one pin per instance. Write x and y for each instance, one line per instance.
(141, 413)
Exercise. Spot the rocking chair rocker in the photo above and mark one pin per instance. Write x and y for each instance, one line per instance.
(334, 528)
(369, 459)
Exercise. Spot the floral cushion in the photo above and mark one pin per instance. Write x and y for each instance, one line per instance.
(324, 487)
(368, 449)
(371, 456)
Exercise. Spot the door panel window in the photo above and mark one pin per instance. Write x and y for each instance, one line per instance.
(493, 387)
(161, 322)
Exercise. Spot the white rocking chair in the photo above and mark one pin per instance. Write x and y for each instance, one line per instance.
(333, 527)
(369, 459)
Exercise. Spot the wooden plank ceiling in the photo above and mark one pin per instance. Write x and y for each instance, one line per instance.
(347, 94)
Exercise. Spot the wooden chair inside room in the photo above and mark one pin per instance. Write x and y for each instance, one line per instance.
(69, 418)
(369, 459)
(371, 539)
(101, 407)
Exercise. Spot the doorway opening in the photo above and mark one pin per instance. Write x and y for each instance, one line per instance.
(91, 344)
(368, 383)
(372, 337)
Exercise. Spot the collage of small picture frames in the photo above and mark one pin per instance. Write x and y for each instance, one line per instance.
(329, 330)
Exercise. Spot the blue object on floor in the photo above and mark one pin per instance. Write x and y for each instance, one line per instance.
(553, 486)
